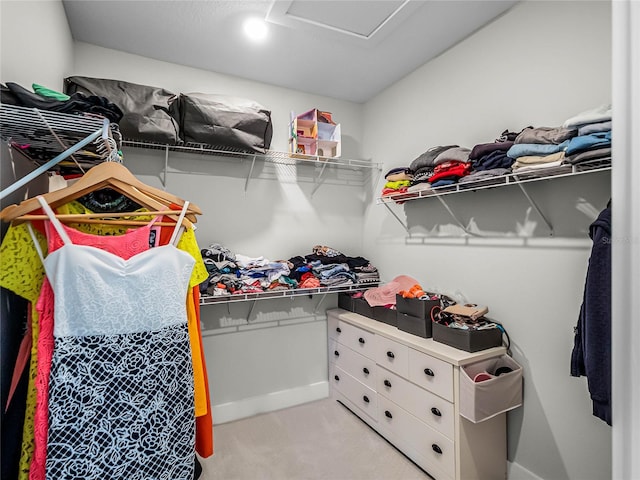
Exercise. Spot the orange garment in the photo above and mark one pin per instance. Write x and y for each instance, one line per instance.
(204, 424)
(199, 395)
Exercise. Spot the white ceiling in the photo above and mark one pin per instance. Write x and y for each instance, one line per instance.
(346, 49)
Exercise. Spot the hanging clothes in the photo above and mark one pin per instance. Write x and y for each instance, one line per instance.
(124, 246)
(22, 273)
(591, 355)
(121, 383)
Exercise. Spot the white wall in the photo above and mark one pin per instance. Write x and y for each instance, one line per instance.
(273, 355)
(34, 48)
(539, 64)
(35, 43)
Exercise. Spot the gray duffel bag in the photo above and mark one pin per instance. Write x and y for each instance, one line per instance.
(150, 114)
(225, 122)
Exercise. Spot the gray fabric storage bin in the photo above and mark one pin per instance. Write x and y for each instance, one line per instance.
(361, 306)
(345, 301)
(385, 315)
(416, 307)
(481, 401)
(417, 326)
(467, 340)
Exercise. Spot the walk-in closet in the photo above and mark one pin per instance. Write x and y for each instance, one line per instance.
(345, 272)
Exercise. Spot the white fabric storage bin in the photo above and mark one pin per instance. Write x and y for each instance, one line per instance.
(483, 400)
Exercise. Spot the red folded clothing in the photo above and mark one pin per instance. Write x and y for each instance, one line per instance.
(460, 169)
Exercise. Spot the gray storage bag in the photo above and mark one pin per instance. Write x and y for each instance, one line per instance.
(150, 114)
(225, 122)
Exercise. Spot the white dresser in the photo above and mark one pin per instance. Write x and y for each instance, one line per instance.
(407, 389)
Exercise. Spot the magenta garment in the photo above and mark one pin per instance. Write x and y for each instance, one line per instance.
(124, 246)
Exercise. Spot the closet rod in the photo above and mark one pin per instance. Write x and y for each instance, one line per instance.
(54, 161)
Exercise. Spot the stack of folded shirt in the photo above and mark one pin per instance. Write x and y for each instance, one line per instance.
(423, 168)
(449, 166)
(593, 140)
(540, 148)
(490, 160)
(332, 268)
(397, 180)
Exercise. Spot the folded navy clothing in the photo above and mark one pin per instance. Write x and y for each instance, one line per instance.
(444, 182)
(485, 148)
(495, 159)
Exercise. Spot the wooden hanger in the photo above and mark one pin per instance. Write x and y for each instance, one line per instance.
(112, 175)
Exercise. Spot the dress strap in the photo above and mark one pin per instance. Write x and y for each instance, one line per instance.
(54, 220)
(178, 226)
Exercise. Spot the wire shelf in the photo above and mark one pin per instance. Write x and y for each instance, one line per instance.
(297, 292)
(41, 135)
(593, 166)
(272, 156)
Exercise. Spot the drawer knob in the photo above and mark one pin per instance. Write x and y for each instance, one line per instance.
(366, 399)
(365, 370)
(387, 383)
(390, 355)
(387, 414)
(337, 378)
(336, 353)
(436, 449)
(338, 329)
(436, 412)
(361, 340)
(429, 372)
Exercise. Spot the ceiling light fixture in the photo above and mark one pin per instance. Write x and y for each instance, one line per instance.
(256, 29)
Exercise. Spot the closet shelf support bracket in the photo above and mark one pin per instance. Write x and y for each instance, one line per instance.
(537, 209)
(246, 182)
(253, 304)
(166, 166)
(318, 181)
(456, 219)
(315, 310)
(406, 229)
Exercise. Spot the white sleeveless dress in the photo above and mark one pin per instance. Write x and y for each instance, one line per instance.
(121, 383)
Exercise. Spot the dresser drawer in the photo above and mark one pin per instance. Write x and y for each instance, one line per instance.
(431, 409)
(353, 337)
(431, 373)
(359, 366)
(357, 393)
(392, 355)
(435, 449)
(332, 326)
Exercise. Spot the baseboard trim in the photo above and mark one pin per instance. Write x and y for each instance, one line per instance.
(515, 471)
(247, 407)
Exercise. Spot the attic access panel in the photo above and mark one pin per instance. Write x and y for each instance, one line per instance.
(338, 19)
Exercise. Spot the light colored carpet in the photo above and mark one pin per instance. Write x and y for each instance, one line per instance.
(320, 440)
